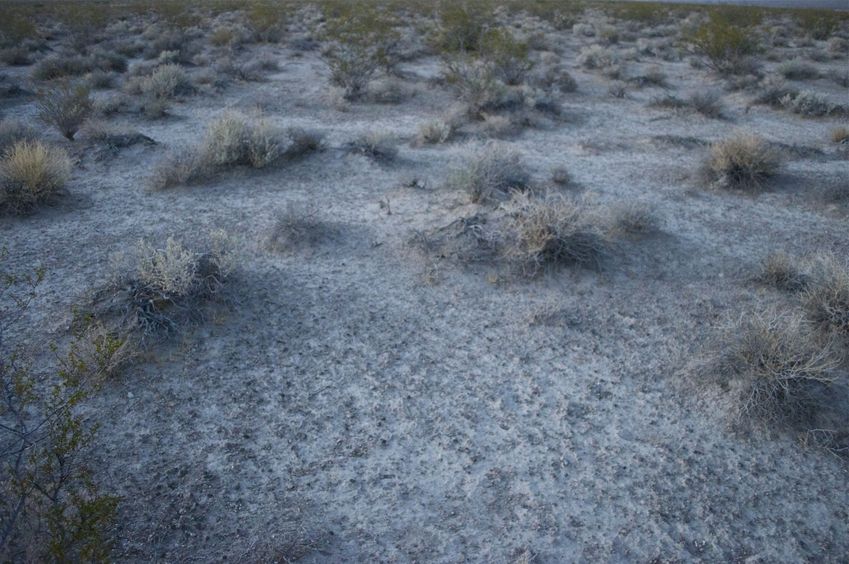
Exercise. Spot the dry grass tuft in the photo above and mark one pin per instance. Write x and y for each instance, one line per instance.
(66, 107)
(553, 231)
(742, 162)
(490, 173)
(826, 298)
(31, 173)
(840, 134)
(774, 367)
(781, 271)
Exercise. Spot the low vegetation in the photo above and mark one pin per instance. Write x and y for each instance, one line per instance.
(65, 107)
(743, 162)
(31, 173)
(490, 173)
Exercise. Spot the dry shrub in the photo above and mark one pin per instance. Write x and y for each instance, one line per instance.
(352, 67)
(298, 228)
(490, 172)
(810, 104)
(181, 168)
(781, 271)
(31, 173)
(553, 231)
(634, 218)
(158, 289)
(66, 107)
(742, 162)
(377, 145)
(826, 298)
(597, 57)
(774, 367)
(838, 135)
(12, 131)
(434, 132)
(476, 85)
(166, 82)
(797, 69)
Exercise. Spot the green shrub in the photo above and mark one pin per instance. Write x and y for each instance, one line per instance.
(461, 25)
(508, 56)
(724, 44)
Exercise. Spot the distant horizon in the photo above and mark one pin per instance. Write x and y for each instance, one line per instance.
(828, 4)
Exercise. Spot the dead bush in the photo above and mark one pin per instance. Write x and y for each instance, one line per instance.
(31, 173)
(157, 290)
(742, 162)
(783, 272)
(773, 367)
(65, 107)
(490, 173)
(826, 298)
(376, 145)
(434, 132)
(553, 231)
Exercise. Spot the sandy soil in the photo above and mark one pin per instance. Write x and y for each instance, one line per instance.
(343, 406)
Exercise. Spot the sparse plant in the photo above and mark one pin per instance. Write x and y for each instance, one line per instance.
(460, 27)
(352, 67)
(742, 162)
(773, 366)
(376, 145)
(617, 90)
(810, 104)
(560, 175)
(826, 298)
(66, 107)
(597, 57)
(726, 46)
(434, 132)
(31, 173)
(490, 173)
(553, 231)
(838, 135)
(634, 218)
(12, 131)
(783, 272)
(476, 85)
(157, 290)
(297, 228)
(708, 103)
(796, 69)
(52, 508)
(166, 82)
(508, 56)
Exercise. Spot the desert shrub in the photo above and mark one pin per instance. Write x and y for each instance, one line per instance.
(773, 91)
(60, 66)
(434, 132)
(837, 46)
(634, 218)
(555, 76)
(826, 298)
(476, 85)
(376, 145)
(101, 80)
(818, 24)
(724, 45)
(352, 67)
(231, 141)
(31, 173)
(783, 272)
(461, 26)
(165, 82)
(597, 57)
(298, 228)
(490, 173)
(267, 20)
(742, 162)
(66, 107)
(13, 131)
(708, 103)
(52, 509)
(223, 36)
(617, 89)
(810, 104)
(15, 56)
(652, 77)
(159, 289)
(181, 168)
(838, 135)
(796, 69)
(553, 231)
(773, 367)
(508, 56)
(560, 175)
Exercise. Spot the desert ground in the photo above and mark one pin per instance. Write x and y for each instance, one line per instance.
(295, 282)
